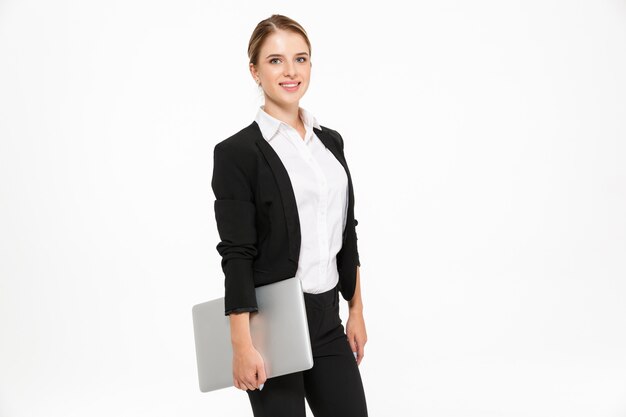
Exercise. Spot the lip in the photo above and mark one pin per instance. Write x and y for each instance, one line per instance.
(291, 89)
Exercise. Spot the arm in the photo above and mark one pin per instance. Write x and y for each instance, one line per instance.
(235, 216)
(356, 303)
(337, 135)
(248, 365)
(355, 326)
(240, 330)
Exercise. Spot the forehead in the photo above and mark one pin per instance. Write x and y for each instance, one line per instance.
(284, 42)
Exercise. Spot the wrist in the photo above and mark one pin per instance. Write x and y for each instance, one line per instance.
(356, 309)
(241, 344)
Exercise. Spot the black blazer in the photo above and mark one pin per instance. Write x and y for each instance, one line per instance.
(257, 217)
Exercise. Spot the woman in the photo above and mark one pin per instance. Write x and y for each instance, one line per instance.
(285, 207)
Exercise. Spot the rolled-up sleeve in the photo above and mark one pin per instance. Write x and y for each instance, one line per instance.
(235, 216)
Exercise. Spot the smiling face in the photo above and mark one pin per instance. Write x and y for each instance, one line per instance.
(284, 60)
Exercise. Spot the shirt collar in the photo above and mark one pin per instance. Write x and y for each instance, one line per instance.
(270, 126)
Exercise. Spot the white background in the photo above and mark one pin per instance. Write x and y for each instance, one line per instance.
(487, 142)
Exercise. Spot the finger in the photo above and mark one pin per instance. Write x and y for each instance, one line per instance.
(252, 381)
(360, 354)
(352, 342)
(261, 375)
(361, 345)
(242, 385)
(249, 385)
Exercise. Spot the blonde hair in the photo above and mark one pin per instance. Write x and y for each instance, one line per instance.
(268, 26)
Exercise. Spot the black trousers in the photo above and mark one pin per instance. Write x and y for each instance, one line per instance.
(333, 386)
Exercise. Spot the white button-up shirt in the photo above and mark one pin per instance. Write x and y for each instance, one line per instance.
(320, 184)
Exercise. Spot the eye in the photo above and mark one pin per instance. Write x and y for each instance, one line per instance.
(303, 59)
(272, 60)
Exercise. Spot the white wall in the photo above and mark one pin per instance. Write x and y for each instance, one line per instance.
(487, 142)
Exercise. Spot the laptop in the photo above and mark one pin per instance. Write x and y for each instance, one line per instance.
(279, 331)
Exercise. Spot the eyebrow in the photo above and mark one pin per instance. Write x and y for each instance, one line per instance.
(282, 56)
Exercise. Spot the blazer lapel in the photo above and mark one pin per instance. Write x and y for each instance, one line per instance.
(286, 192)
(286, 189)
(333, 146)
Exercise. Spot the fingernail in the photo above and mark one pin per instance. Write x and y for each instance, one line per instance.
(354, 353)
(261, 386)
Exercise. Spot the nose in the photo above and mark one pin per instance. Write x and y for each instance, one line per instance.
(290, 69)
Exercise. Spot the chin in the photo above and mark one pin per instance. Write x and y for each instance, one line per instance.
(291, 99)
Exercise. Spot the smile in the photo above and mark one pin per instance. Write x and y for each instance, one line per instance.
(290, 86)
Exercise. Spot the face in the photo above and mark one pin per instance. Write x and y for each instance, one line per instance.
(284, 59)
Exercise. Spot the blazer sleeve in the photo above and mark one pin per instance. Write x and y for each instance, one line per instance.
(235, 216)
(356, 222)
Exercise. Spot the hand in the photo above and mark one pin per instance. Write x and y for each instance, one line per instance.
(357, 336)
(248, 368)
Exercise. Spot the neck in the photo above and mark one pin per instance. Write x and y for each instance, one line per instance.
(288, 114)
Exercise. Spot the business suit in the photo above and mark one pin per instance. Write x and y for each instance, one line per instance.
(257, 217)
(259, 227)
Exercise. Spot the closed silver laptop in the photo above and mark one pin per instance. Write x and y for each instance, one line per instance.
(279, 331)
